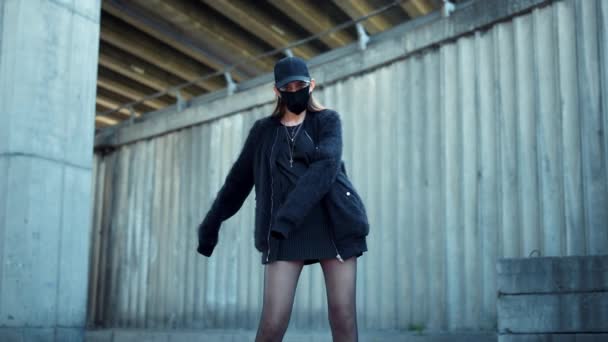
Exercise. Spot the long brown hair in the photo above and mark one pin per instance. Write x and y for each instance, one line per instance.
(312, 106)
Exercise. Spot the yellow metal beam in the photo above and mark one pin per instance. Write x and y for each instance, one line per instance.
(358, 8)
(207, 27)
(104, 121)
(109, 103)
(309, 17)
(120, 35)
(107, 82)
(416, 8)
(262, 25)
(141, 71)
(137, 18)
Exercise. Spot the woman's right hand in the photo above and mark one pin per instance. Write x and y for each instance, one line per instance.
(206, 244)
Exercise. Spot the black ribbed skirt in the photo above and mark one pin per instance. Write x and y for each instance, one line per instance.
(310, 242)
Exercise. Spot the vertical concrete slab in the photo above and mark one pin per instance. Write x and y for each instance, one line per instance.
(574, 206)
(48, 69)
(590, 109)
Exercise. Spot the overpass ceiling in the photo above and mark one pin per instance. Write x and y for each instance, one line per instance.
(148, 46)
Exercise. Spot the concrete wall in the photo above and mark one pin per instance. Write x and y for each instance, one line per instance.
(48, 72)
(470, 138)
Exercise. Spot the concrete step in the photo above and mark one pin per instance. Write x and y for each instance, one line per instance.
(211, 335)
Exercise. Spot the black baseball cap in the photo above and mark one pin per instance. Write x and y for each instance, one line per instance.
(290, 69)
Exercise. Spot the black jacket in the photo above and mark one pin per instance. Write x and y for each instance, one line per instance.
(255, 166)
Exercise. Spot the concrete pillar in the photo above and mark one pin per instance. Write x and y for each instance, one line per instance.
(48, 70)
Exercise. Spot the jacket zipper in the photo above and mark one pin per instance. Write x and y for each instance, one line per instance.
(309, 137)
(338, 256)
(271, 194)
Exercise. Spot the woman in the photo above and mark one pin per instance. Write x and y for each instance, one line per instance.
(294, 158)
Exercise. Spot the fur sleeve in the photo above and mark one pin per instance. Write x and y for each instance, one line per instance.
(230, 197)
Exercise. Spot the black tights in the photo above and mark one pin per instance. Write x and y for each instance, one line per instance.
(280, 281)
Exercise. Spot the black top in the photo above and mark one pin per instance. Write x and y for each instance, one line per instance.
(311, 241)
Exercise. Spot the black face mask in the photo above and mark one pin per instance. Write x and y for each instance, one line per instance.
(296, 101)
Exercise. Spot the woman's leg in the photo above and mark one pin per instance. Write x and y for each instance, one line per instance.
(280, 282)
(341, 294)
